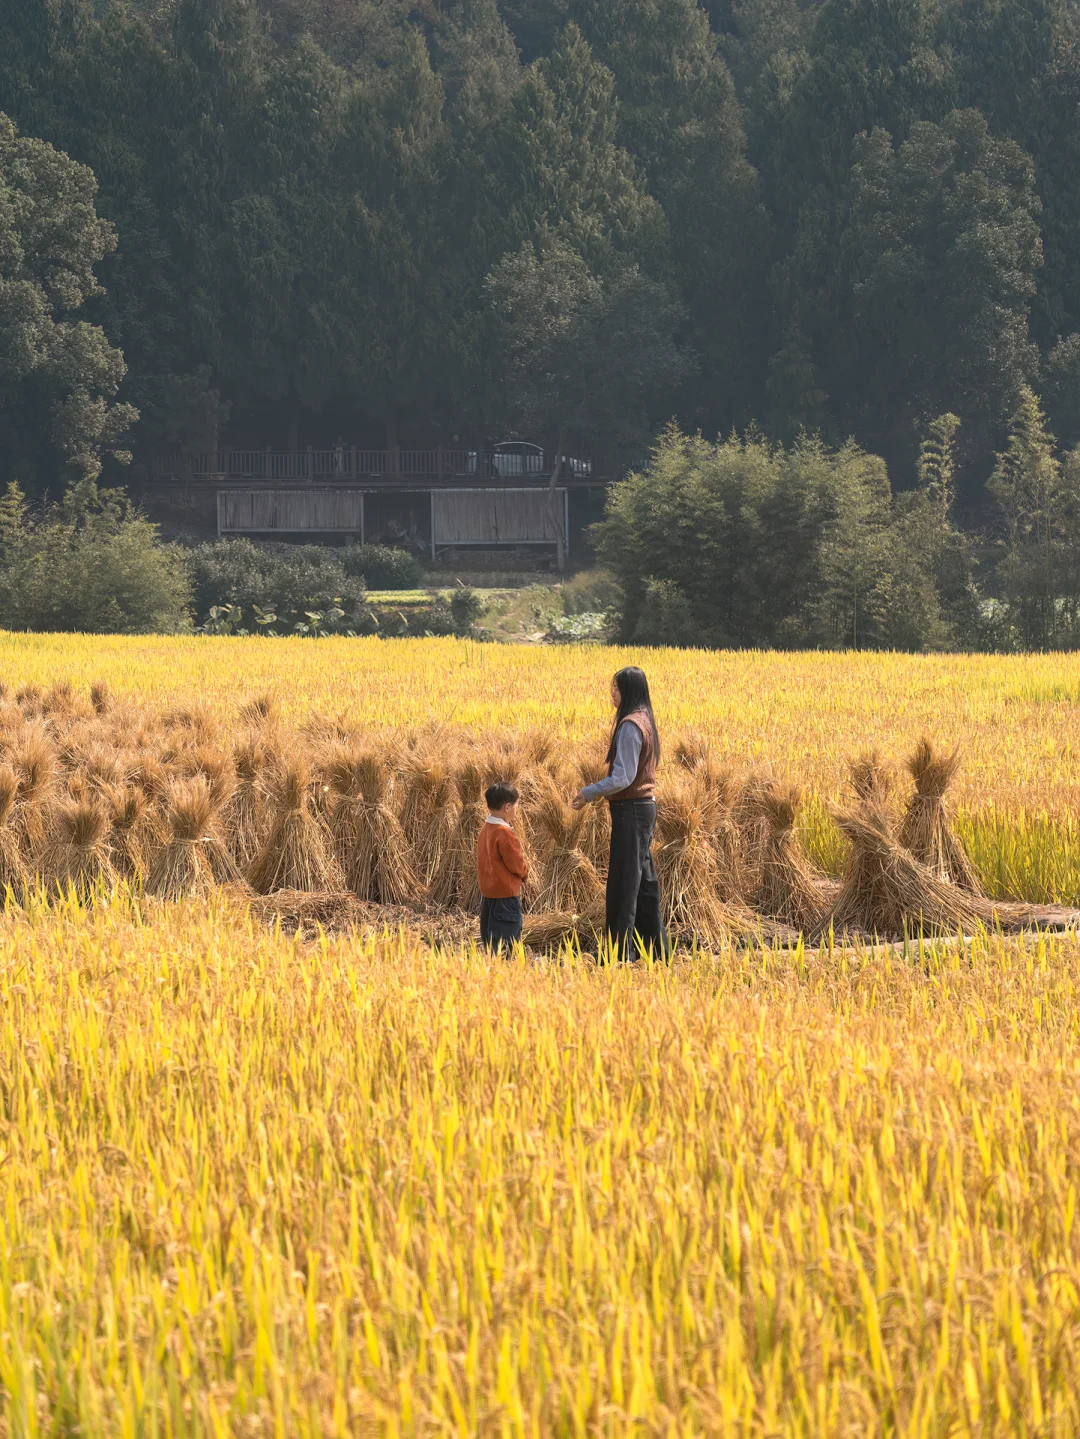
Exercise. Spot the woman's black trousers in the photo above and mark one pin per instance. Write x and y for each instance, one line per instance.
(633, 891)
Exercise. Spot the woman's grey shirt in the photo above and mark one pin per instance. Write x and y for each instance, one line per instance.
(624, 770)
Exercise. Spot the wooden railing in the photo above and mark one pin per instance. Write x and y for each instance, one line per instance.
(346, 464)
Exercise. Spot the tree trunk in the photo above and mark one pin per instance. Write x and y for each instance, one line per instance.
(557, 512)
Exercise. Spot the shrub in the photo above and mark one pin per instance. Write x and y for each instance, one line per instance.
(466, 607)
(665, 617)
(90, 564)
(592, 592)
(382, 568)
(284, 579)
(743, 543)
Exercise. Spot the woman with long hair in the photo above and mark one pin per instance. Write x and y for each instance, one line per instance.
(633, 890)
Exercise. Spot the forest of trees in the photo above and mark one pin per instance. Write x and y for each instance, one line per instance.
(848, 232)
(348, 217)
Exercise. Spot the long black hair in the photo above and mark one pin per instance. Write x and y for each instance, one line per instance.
(633, 690)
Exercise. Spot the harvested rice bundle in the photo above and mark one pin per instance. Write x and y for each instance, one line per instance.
(60, 701)
(886, 892)
(691, 749)
(436, 833)
(152, 777)
(76, 858)
(216, 768)
(454, 881)
(535, 748)
(368, 838)
(132, 834)
(425, 784)
(871, 778)
(101, 697)
(103, 765)
(719, 797)
(34, 760)
(789, 889)
(258, 711)
(29, 700)
(750, 831)
(245, 818)
(926, 830)
(568, 880)
(183, 866)
(296, 853)
(687, 867)
(14, 875)
(196, 719)
(594, 840)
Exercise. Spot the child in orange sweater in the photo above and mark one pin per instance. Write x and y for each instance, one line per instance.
(501, 867)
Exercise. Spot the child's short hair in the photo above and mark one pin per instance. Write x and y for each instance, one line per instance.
(498, 796)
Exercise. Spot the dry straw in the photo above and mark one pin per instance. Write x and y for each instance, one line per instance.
(570, 882)
(245, 816)
(368, 838)
(14, 875)
(871, 778)
(184, 867)
(454, 881)
(76, 858)
(297, 853)
(886, 892)
(926, 830)
(131, 835)
(686, 864)
(594, 840)
(35, 762)
(788, 889)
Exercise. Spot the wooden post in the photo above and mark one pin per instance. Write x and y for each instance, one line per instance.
(268, 471)
(355, 471)
(310, 467)
(438, 464)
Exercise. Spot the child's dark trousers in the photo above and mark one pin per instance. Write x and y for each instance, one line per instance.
(500, 922)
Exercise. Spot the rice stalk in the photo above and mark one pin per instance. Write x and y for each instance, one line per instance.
(368, 838)
(454, 882)
(886, 892)
(788, 890)
(76, 858)
(567, 878)
(925, 829)
(296, 853)
(687, 868)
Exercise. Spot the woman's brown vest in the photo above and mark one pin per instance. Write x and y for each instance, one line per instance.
(644, 785)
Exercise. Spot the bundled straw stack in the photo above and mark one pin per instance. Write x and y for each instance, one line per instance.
(788, 889)
(926, 830)
(886, 891)
(97, 790)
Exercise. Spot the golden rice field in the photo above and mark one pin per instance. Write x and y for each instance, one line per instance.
(257, 1186)
(260, 1184)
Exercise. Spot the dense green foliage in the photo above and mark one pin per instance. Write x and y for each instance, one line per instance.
(750, 543)
(58, 373)
(847, 216)
(282, 221)
(90, 564)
